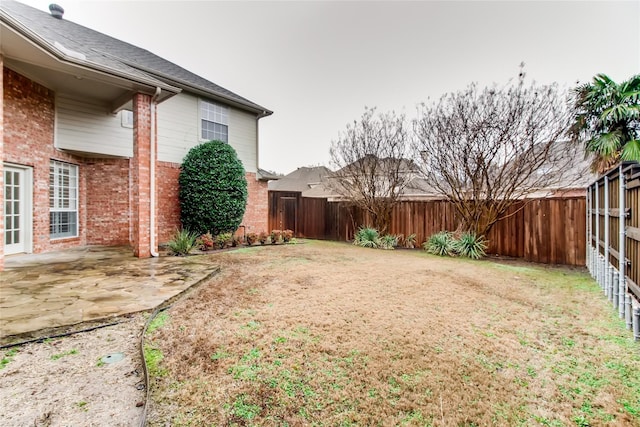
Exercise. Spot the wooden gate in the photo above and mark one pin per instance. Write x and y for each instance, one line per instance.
(288, 213)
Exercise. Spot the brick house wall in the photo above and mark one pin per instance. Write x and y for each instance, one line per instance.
(255, 216)
(1, 157)
(108, 201)
(168, 206)
(111, 209)
(28, 117)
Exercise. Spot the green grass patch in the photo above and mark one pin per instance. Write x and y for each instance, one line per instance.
(153, 357)
(8, 357)
(64, 354)
(158, 322)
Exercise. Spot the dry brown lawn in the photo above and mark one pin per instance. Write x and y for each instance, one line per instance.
(329, 334)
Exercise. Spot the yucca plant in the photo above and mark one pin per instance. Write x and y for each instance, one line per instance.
(367, 237)
(388, 241)
(471, 246)
(410, 241)
(183, 242)
(441, 244)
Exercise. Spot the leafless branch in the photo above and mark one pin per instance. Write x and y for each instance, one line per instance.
(484, 149)
(371, 168)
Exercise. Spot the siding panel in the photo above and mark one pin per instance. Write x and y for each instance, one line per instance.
(90, 128)
(242, 137)
(177, 127)
(178, 131)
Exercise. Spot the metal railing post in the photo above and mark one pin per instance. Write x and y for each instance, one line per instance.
(622, 264)
(607, 271)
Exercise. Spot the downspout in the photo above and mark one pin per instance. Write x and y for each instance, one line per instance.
(258, 117)
(152, 174)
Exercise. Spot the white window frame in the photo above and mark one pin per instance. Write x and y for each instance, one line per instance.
(63, 199)
(216, 116)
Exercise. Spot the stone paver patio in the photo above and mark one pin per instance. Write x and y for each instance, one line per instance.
(45, 291)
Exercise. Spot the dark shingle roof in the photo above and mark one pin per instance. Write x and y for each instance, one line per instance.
(115, 54)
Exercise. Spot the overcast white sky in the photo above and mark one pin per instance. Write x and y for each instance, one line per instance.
(318, 64)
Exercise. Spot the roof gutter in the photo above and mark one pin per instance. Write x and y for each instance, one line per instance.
(46, 46)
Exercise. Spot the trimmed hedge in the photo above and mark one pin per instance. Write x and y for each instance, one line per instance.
(213, 189)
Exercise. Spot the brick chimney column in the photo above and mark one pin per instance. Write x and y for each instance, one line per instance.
(141, 176)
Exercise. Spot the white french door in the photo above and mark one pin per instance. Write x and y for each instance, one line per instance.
(17, 210)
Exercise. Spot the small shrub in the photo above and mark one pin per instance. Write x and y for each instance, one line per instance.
(252, 238)
(441, 244)
(223, 240)
(388, 241)
(275, 236)
(287, 235)
(367, 237)
(205, 242)
(262, 237)
(236, 241)
(182, 243)
(471, 246)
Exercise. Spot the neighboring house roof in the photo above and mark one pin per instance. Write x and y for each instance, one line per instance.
(85, 47)
(265, 175)
(402, 165)
(300, 179)
(578, 173)
(417, 189)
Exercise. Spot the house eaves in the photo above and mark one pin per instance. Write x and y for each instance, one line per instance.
(191, 87)
(77, 59)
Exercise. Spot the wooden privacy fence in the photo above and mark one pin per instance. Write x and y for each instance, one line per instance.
(550, 230)
(613, 247)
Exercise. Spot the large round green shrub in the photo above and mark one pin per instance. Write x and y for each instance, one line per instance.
(213, 189)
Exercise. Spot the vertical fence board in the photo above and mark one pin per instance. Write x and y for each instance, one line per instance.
(540, 230)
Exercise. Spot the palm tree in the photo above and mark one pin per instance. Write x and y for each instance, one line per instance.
(607, 119)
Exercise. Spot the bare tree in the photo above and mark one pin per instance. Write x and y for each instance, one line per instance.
(371, 169)
(484, 149)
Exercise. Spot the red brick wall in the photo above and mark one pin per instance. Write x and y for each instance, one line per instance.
(28, 118)
(140, 174)
(104, 197)
(108, 201)
(168, 207)
(1, 157)
(256, 215)
(109, 212)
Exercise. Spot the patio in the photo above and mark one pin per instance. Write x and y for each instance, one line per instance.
(93, 284)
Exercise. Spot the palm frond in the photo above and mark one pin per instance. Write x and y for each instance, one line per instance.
(605, 144)
(619, 112)
(631, 150)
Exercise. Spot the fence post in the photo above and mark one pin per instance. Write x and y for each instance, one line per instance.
(616, 289)
(628, 313)
(597, 235)
(636, 320)
(622, 264)
(588, 224)
(607, 270)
